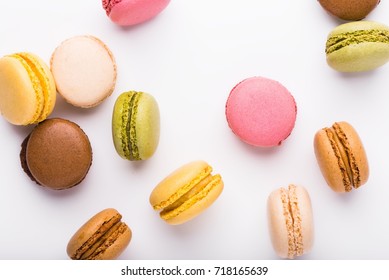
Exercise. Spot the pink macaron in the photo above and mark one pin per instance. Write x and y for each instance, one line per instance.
(261, 112)
(131, 12)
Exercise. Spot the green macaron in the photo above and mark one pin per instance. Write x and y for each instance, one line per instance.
(358, 46)
(135, 125)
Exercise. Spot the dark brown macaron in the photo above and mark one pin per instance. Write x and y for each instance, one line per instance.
(57, 154)
(349, 9)
(102, 237)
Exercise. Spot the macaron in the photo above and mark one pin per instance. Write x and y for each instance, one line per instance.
(135, 125)
(102, 237)
(261, 112)
(186, 192)
(27, 89)
(349, 9)
(358, 46)
(57, 154)
(132, 12)
(84, 71)
(341, 157)
(290, 220)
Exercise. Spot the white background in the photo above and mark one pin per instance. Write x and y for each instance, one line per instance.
(189, 58)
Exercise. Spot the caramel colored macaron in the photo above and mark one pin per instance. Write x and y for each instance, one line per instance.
(290, 221)
(341, 157)
(102, 237)
(186, 192)
(57, 154)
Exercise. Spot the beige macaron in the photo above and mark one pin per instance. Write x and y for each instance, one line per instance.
(102, 237)
(290, 221)
(186, 192)
(341, 157)
(84, 70)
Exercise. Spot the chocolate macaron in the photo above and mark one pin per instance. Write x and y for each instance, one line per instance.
(349, 9)
(57, 154)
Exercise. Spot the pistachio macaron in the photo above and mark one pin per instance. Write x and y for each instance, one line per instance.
(27, 89)
(102, 237)
(186, 192)
(290, 220)
(341, 157)
(135, 125)
(358, 46)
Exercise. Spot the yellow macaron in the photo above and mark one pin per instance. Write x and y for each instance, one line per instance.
(27, 89)
(186, 192)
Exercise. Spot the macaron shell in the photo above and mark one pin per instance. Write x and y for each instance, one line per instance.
(200, 205)
(178, 179)
(84, 70)
(358, 151)
(359, 58)
(132, 12)
(328, 162)
(58, 154)
(261, 112)
(18, 103)
(349, 9)
(356, 26)
(147, 126)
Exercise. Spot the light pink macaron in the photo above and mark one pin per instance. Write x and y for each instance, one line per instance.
(131, 12)
(261, 112)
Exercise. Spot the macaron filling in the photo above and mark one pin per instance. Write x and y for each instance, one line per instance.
(292, 216)
(102, 239)
(346, 160)
(108, 4)
(342, 40)
(128, 131)
(185, 189)
(194, 195)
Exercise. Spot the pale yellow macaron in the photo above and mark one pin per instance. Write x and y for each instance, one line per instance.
(186, 192)
(290, 221)
(27, 89)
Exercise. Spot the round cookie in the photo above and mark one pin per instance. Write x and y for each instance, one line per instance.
(57, 154)
(349, 9)
(84, 70)
(132, 12)
(261, 112)
(102, 237)
(27, 89)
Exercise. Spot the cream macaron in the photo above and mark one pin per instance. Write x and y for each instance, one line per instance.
(290, 221)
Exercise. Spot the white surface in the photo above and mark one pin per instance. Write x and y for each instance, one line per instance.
(189, 58)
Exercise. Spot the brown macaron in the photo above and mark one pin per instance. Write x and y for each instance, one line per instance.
(102, 237)
(57, 154)
(350, 10)
(341, 157)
